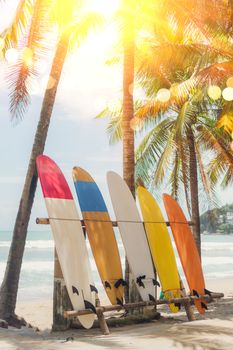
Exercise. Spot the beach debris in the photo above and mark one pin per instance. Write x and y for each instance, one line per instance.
(71, 339)
(3, 324)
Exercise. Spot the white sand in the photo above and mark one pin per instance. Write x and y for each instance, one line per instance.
(213, 331)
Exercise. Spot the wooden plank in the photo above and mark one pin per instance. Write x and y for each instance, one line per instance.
(129, 306)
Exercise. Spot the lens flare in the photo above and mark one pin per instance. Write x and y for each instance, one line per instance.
(47, 82)
(214, 92)
(135, 123)
(131, 88)
(11, 55)
(1, 43)
(227, 94)
(230, 82)
(33, 87)
(114, 105)
(27, 56)
(163, 95)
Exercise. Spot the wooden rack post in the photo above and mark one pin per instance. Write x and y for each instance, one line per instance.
(102, 322)
(187, 305)
(61, 300)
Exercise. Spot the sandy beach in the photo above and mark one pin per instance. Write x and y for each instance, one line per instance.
(212, 331)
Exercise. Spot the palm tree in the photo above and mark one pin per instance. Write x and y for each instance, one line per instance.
(128, 110)
(73, 26)
(195, 55)
(132, 17)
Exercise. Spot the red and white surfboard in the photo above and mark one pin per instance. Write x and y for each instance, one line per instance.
(68, 236)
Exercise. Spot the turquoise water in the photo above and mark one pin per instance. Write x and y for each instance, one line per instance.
(36, 279)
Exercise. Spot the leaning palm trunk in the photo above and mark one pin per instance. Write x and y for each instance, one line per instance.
(9, 287)
(194, 190)
(128, 136)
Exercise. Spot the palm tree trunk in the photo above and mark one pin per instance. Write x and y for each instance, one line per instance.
(128, 132)
(9, 287)
(194, 190)
(128, 114)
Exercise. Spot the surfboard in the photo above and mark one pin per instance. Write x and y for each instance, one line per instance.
(187, 250)
(160, 246)
(100, 234)
(68, 236)
(133, 236)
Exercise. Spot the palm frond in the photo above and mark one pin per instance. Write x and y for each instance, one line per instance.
(216, 73)
(216, 169)
(175, 177)
(114, 130)
(83, 25)
(225, 119)
(209, 188)
(165, 159)
(150, 150)
(22, 74)
(184, 159)
(17, 29)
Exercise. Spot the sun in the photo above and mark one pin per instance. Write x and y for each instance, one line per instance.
(106, 7)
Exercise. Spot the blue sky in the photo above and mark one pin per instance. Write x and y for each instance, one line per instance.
(74, 138)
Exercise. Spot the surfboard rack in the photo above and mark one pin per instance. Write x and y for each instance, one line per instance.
(45, 221)
(185, 300)
(130, 306)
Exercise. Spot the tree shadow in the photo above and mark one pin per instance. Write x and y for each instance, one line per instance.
(214, 331)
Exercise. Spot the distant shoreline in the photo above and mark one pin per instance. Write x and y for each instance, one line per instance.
(216, 233)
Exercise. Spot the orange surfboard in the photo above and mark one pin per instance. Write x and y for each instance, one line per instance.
(187, 250)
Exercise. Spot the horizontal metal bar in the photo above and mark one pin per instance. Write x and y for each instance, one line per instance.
(45, 221)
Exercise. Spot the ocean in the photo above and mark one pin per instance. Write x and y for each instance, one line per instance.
(36, 280)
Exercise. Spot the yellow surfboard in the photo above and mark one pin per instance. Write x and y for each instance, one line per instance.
(161, 246)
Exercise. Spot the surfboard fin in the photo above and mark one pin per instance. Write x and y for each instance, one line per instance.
(155, 282)
(119, 301)
(151, 298)
(207, 292)
(178, 305)
(90, 306)
(75, 290)
(139, 281)
(93, 288)
(107, 285)
(204, 306)
(120, 282)
(195, 293)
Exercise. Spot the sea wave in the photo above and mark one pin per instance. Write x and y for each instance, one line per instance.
(216, 246)
(217, 261)
(37, 244)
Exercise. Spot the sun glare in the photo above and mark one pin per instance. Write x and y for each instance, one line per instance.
(227, 94)
(163, 95)
(106, 7)
(27, 56)
(214, 92)
(1, 43)
(11, 55)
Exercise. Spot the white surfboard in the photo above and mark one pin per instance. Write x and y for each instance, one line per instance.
(68, 236)
(133, 236)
